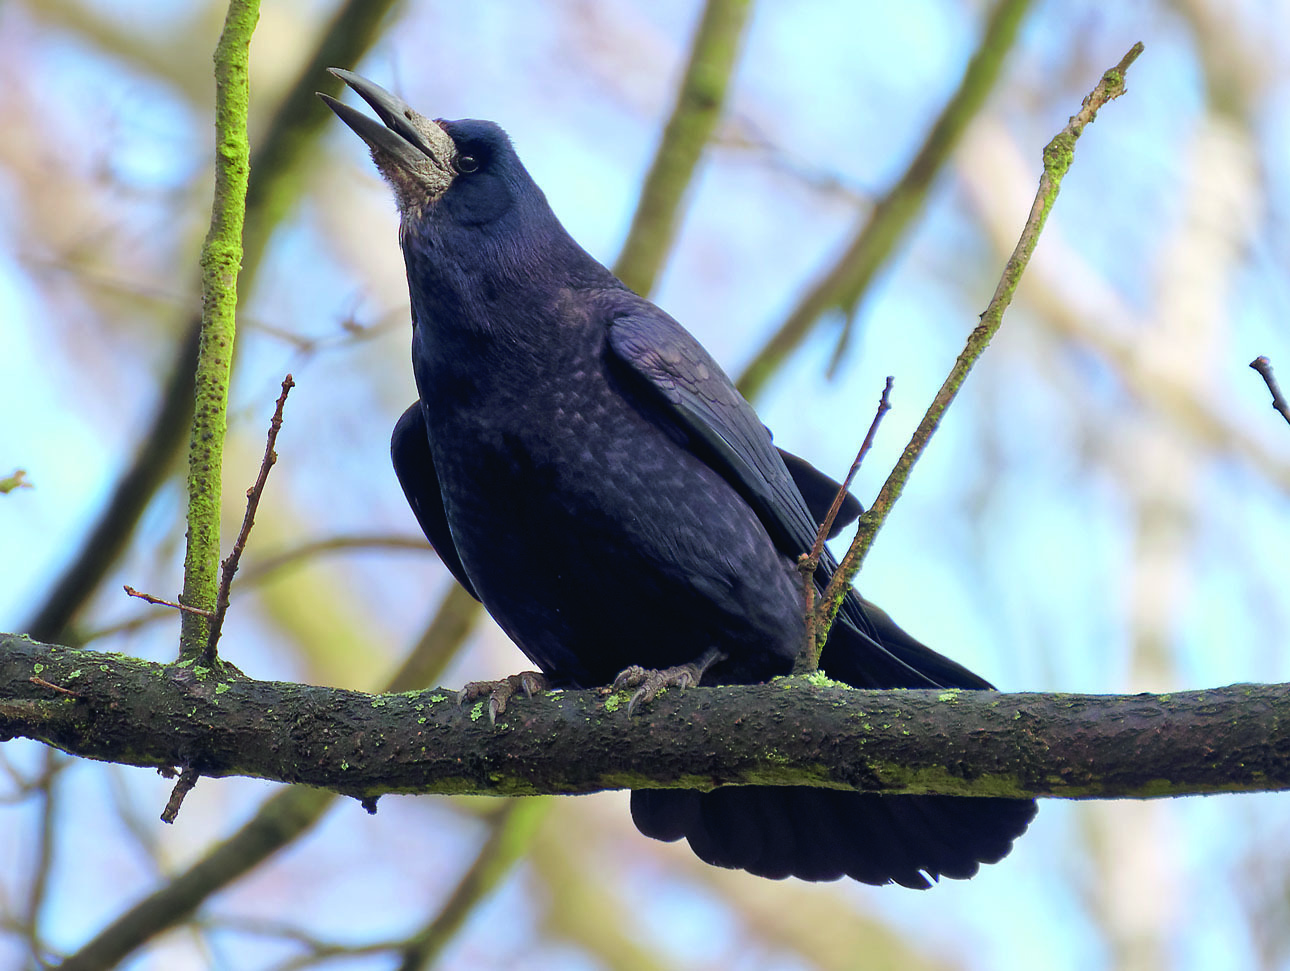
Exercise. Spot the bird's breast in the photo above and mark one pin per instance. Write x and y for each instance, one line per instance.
(593, 536)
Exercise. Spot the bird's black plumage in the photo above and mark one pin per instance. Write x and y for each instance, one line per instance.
(587, 471)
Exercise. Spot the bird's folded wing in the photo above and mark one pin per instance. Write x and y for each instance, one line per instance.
(705, 404)
(699, 398)
(414, 465)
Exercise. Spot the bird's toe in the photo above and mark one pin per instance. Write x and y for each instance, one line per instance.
(500, 692)
(649, 682)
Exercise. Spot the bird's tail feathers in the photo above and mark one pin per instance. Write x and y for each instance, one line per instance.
(866, 649)
(824, 834)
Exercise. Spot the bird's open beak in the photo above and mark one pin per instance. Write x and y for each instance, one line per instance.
(413, 152)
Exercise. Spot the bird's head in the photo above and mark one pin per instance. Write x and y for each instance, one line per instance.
(474, 225)
(463, 172)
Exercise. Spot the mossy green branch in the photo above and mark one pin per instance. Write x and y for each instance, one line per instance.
(221, 260)
(275, 185)
(698, 109)
(843, 284)
(1057, 160)
(787, 732)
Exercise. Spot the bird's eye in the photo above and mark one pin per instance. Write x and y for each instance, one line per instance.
(467, 164)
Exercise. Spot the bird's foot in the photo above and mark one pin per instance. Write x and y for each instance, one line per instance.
(500, 692)
(648, 682)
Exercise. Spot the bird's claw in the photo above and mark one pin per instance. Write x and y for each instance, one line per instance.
(500, 692)
(649, 682)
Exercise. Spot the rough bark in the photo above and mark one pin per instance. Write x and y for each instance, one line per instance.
(788, 732)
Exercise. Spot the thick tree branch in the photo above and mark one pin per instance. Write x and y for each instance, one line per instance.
(787, 732)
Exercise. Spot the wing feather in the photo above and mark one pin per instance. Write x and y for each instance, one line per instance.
(414, 466)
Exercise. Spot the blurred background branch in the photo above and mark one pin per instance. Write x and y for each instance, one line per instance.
(842, 286)
(700, 101)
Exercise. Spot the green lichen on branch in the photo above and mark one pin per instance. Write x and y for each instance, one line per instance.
(220, 262)
(17, 479)
(968, 743)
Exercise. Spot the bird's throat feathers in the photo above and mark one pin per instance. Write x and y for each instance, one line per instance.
(468, 276)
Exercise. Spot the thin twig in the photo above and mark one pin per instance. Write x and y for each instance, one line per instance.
(1264, 367)
(42, 683)
(253, 495)
(183, 786)
(808, 658)
(184, 608)
(826, 527)
(1057, 159)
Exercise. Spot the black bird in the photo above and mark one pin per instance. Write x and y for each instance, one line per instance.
(587, 471)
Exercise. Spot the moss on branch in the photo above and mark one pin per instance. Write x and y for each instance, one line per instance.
(787, 732)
